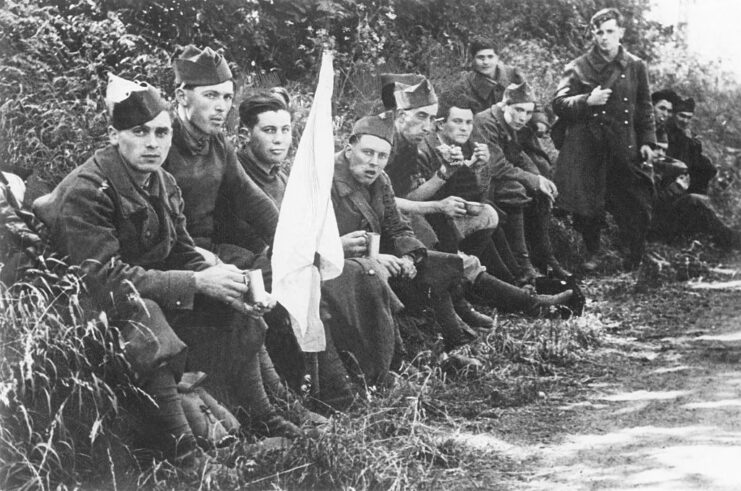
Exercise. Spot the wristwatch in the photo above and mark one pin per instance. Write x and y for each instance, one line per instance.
(441, 174)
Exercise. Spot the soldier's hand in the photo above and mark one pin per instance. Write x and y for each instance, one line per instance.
(393, 264)
(481, 152)
(408, 269)
(598, 96)
(355, 243)
(647, 153)
(223, 282)
(453, 206)
(260, 308)
(547, 187)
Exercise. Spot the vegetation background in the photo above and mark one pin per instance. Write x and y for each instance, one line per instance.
(54, 58)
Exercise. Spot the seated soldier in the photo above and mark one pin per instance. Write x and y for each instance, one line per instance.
(364, 202)
(357, 309)
(684, 146)
(488, 78)
(215, 188)
(679, 212)
(523, 165)
(120, 216)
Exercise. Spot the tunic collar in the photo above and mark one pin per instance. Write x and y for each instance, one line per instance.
(247, 157)
(483, 85)
(132, 195)
(187, 140)
(598, 62)
(344, 181)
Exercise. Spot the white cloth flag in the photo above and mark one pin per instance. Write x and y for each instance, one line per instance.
(307, 225)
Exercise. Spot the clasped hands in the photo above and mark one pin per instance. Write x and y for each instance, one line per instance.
(355, 244)
(227, 283)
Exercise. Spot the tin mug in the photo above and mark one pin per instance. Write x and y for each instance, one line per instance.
(373, 240)
(256, 292)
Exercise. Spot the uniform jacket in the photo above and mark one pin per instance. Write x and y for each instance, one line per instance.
(689, 150)
(98, 213)
(485, 91)
(216, 188)
(582, 164)
(372, 209)
(469, 183)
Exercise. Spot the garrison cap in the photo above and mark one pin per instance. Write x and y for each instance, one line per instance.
(518, 94)
(414, 96)
(388, 86)
(381, 125)
(132, 103)
(666, 95)
(201, 67)
(685, 106)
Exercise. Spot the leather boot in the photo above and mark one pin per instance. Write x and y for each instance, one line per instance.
(455, 332)
(467, 313)
(510, 298)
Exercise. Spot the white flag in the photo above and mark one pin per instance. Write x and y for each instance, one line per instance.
(307, 227)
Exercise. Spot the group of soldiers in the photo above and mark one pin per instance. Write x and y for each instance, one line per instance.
(166, 219)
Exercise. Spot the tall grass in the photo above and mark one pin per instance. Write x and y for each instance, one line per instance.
(62, 376)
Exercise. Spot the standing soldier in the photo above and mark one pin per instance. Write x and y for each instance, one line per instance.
(604, 105)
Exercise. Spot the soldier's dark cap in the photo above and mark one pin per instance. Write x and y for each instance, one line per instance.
(685, 106)
(388, 86)
(480, 43)
(518, 94)
(198, 67)
(132, 103)
(379, 125)
(665, 95)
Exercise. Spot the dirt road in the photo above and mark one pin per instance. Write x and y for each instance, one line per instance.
(658, 406)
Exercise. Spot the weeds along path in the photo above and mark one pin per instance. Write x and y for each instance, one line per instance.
(658, 406)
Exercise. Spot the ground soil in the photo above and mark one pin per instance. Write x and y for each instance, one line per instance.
(656, 406)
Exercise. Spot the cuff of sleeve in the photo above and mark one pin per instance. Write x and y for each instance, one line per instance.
(182, 290)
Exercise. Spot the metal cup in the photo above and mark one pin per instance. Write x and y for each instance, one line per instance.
(256, 293)
(373, 240)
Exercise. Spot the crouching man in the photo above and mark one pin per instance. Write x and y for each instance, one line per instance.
(120, 216)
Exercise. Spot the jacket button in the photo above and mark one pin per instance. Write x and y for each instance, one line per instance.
(625, 99)
(371, 272)
(626, 122)
(622, 76)
(177, 302)
(147, 234)
(626, 111)
(604, 112)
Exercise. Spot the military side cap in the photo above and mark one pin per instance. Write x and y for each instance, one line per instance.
(518, 94)
(381, 125)
(132, 103)
(388, 86)
(685, 106)
(665, 95)
(414, 96)
(201, 67)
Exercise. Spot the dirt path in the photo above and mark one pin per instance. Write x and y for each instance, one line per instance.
(658, 406)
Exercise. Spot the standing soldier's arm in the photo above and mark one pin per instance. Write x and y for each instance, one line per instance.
(645, 125)
(570, 102)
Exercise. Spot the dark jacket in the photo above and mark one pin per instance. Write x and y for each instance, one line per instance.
(372, 209)
(216, 189)
(583, 162)
(485, 91)
(689, 150)
(98, 214)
